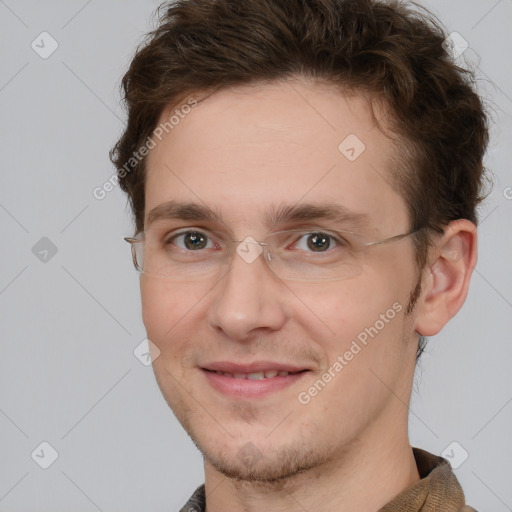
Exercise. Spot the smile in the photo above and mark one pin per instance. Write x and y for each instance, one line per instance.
(268, 374)
(256, 380)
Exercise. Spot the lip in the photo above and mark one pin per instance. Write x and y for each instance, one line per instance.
(247, 388)
(257, 366)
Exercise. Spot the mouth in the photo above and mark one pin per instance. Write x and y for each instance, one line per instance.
(255, 380)
(267, 374)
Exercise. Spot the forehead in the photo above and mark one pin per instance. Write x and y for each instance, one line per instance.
(246, 148)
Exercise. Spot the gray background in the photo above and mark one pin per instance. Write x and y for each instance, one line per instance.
(68, 375)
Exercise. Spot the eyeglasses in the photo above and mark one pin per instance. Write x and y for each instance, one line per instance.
(305, 254)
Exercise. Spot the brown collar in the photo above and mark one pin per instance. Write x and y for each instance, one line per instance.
(437, 491)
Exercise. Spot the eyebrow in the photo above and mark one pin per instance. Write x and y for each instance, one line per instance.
(281, 214)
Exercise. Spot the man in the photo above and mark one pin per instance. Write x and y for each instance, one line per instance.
(303, 177)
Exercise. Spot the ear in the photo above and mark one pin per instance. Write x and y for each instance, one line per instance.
(446, 280)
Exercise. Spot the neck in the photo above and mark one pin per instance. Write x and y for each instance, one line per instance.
(366, 476)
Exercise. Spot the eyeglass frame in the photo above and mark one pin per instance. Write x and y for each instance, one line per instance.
(395, 238)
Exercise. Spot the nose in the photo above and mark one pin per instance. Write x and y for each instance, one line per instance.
(249, 298)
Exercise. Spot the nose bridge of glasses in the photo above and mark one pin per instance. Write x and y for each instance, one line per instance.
(249, 249)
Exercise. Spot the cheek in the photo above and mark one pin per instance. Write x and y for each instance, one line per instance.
(167, 309)
(154, 304)
(366, 317)
(356, 305)
(365, 351)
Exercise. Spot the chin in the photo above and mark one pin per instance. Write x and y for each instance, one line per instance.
(245, 445)
(257, 462)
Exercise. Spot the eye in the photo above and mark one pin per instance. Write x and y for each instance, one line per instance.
(316, 242)
(191, 241)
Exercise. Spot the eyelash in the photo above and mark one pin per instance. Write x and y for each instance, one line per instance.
(171, 239)
(339, 241)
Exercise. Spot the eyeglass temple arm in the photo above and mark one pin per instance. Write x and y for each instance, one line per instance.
(394, 238)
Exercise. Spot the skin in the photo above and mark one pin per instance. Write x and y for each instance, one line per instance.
(240, 151)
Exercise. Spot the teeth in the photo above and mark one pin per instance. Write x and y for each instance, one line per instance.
(268, 374)
(256, 376)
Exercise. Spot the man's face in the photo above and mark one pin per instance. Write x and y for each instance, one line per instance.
(246, 152)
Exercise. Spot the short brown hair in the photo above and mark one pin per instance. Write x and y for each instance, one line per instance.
(389, 51)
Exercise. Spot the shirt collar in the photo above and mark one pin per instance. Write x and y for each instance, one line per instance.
(437, 489)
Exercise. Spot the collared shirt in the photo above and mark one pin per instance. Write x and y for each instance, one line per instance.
(437, 490)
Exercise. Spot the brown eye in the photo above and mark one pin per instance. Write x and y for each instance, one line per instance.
(319, 242)
(191, 240)
(195, 240)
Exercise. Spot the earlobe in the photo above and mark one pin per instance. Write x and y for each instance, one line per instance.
(446, 280)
